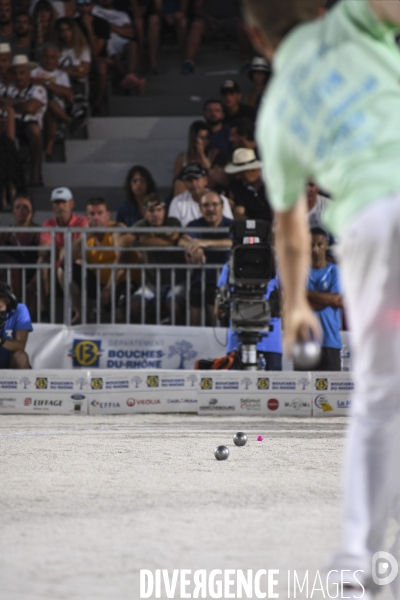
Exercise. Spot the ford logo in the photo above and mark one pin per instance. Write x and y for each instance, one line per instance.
(78, 397)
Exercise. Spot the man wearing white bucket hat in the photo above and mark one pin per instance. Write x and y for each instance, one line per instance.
(29, 102)
(247, 188)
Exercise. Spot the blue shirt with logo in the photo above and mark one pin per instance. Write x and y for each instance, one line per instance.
(19, 320)
(327, 280)
(270, 343)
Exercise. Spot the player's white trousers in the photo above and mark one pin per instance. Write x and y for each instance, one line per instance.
(369, 257)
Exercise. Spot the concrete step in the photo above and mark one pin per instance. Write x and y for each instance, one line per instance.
(139, 128)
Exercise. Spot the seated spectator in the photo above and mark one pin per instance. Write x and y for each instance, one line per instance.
(62, 203)
(23, 42)
(199, 250)
(97, 215)
(59, 94)
(139, 183)
(213, 112)
(198, 151)
(186, 206)
(259, 73)
(75, 58)
(269, 346)
(43, 19)
(7, 117)
(248, 189)
(6, 22)
(174, 13)
(15, 325)
(241, 134)
(234, 109)
(212, 18)
(96, 30)
(155, 215)
(22, 209)
(316, 204)
(29, 103)
(121, 42)
(147, 11)
(325, 298)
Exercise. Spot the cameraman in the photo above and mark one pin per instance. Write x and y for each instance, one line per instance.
(15, 325)
(270, 346)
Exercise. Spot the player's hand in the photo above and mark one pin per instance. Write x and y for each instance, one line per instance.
(301, 324)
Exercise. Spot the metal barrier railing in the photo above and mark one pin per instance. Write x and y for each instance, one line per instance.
(52, 297)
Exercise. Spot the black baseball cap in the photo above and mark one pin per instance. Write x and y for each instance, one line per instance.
(193, 170)
(230, 87)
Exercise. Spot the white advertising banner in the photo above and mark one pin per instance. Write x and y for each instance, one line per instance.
(257, 393)
(45, 392)
(123, 346)
(122, 392)
(332, 393)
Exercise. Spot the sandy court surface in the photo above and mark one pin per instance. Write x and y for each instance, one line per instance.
(86, 502)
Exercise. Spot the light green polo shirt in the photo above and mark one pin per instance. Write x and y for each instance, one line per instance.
(332, 113)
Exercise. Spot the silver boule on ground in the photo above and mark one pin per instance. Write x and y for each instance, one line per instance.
(240, 438)
(221, 452)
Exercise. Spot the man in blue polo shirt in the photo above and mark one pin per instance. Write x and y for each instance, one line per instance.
(15, 325)
(325, 297)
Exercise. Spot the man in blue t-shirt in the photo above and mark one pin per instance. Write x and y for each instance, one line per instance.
(15, 325)
(325, 297)
(270, 345)
(198, 252)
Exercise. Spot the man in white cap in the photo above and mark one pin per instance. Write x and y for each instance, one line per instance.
(62, 203)
(248, 189)
(29, 103)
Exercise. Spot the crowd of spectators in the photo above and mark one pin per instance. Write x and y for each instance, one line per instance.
(54, 57)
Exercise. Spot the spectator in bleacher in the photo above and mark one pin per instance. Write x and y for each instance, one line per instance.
(259, 73)
(43, 19)
(22, 209)
(325, 298)
(6, 22)
(247, 188)
(75, 58)
(198, 252)
(120, 43)
(29, 103)
(155, 215)
(147, 11)
(241, 134)
(97, 215)
(218, 180)
(316, 204)
(213, 112)
(59, 94)
(62, 203)
(139, 183)
(186, 206)
(96, 30)
(65, 8)
(23, 42)
(174, 13)
(198, 151)
(215, 17)
(15, 325)
(7, 117)
(231, 96)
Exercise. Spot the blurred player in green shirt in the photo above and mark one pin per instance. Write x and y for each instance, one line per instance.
(332, 114)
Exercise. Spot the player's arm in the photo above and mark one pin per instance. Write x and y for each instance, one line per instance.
(293, 252)
(18, 343)
(386, 10)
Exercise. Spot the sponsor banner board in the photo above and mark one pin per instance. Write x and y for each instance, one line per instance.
(57, 403)
(332, 382)
(331, 405)
(252, 381)
(127, 392)
(256, 404)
